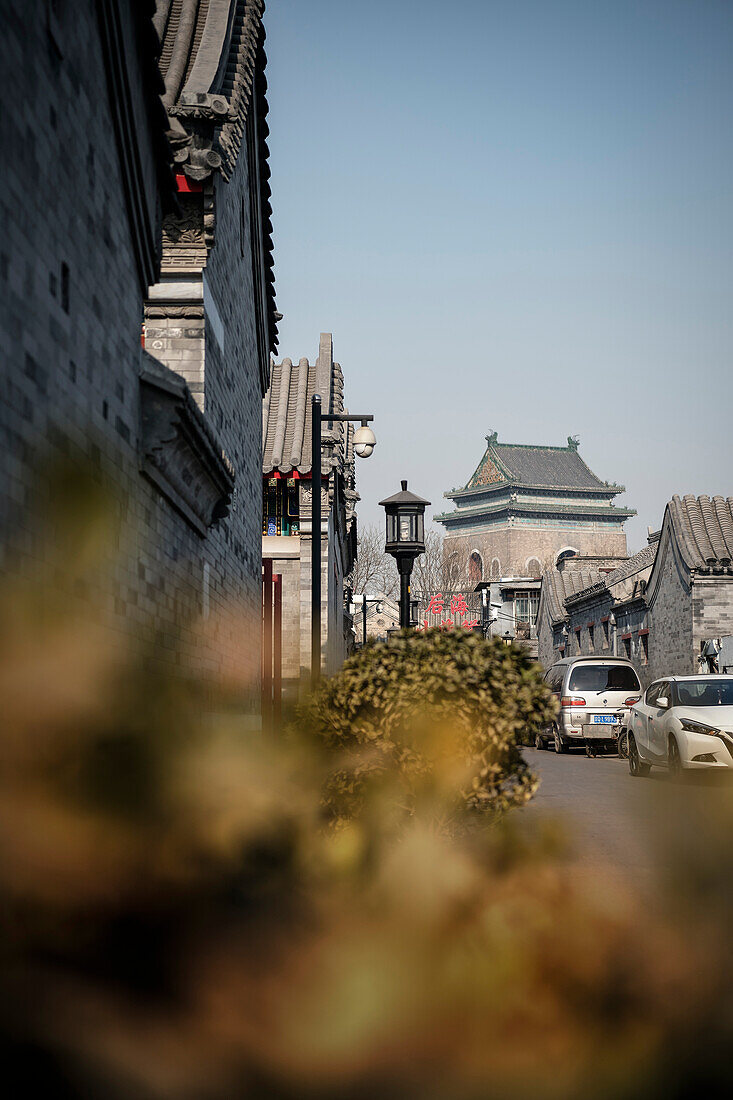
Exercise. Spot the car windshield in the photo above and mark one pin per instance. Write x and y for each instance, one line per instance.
(705, 693)
(603, 678)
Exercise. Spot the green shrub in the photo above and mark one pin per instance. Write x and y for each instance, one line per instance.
(433, 717)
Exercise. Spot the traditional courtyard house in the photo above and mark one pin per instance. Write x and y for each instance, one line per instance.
(689, 594)
(509, 608)
(664, 608)
(286, 509)
(605, 615)
(570, 576)
(525, 507)
(174, 427)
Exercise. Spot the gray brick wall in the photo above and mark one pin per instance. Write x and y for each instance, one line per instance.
(70, 321)
(670, 616)
(712, 610)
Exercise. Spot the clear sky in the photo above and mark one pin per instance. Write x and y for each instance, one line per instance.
(513, 215)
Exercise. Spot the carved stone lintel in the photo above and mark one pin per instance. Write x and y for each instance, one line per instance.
(180, 453)
(166, 310)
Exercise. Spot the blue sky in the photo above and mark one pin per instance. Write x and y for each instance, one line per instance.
(513, 216)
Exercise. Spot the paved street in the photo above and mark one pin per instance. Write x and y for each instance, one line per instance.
(611, 818)
(601, 806)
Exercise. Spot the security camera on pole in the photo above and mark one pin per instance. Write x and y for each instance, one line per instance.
(405, 513)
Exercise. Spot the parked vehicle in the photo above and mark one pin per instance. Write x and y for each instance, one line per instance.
(683, 722)
(595, 694)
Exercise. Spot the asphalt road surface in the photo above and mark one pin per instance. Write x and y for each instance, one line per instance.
(611, 818)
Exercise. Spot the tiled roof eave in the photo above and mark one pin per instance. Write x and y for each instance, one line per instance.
(586, 593)
(503, 486)
(541, 509)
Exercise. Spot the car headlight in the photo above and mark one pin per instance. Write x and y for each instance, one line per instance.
(699, 727)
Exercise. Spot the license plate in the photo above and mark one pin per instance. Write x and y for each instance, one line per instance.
(603, 720)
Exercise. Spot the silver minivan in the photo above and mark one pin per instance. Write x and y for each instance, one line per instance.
(595, 695)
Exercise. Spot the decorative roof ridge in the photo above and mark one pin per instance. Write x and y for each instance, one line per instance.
(536, 447)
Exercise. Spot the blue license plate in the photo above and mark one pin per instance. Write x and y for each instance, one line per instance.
(603, 720)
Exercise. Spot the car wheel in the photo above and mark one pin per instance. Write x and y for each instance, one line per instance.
(560, 746)
(590, 751)
(623, 743)
(637, 767)
(539, 741)
(674, 760)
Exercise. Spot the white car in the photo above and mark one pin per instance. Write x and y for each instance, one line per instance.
(683, 722)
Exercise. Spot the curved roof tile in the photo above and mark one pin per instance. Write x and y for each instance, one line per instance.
(703, 531)
(286, 418)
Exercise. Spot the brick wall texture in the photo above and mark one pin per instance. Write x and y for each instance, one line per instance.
(70, 321)
(513, 548)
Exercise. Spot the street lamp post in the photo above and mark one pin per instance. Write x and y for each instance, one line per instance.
(364, 444)
(405, 514)
(378, 608)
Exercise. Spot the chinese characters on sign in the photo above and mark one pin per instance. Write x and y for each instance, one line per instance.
(458, 608)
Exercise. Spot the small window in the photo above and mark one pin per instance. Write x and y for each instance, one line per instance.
(577, 641)
(280, 507)
(644, 648)
(533, 567)
(627, 647)
(495, 567)
(605, 633)
(475, 567)
(65, 288)
(591, 638)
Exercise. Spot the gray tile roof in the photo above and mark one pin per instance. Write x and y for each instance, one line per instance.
(637, 563)
(644, 559)
(286, 414)
(557, 585)
(537, 466)
(556, 467)
(703, 531)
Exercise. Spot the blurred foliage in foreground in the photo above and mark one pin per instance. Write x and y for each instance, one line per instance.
(177, 922)
(428, 724)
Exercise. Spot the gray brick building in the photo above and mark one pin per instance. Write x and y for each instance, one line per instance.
(524, 507)
(102, 114)
(659, 608)
(287, 494)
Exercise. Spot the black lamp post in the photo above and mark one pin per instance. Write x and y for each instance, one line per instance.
(378, 609)
(364, 444)
(405, 514)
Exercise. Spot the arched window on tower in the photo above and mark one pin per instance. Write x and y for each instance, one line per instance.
(533, 567)
(566, 552)
(475, 567)
(495, 568)
(454, 570)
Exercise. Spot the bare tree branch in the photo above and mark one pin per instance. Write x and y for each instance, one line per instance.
(374, 571)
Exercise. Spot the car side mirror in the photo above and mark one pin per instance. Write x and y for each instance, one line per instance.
(662, 702)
